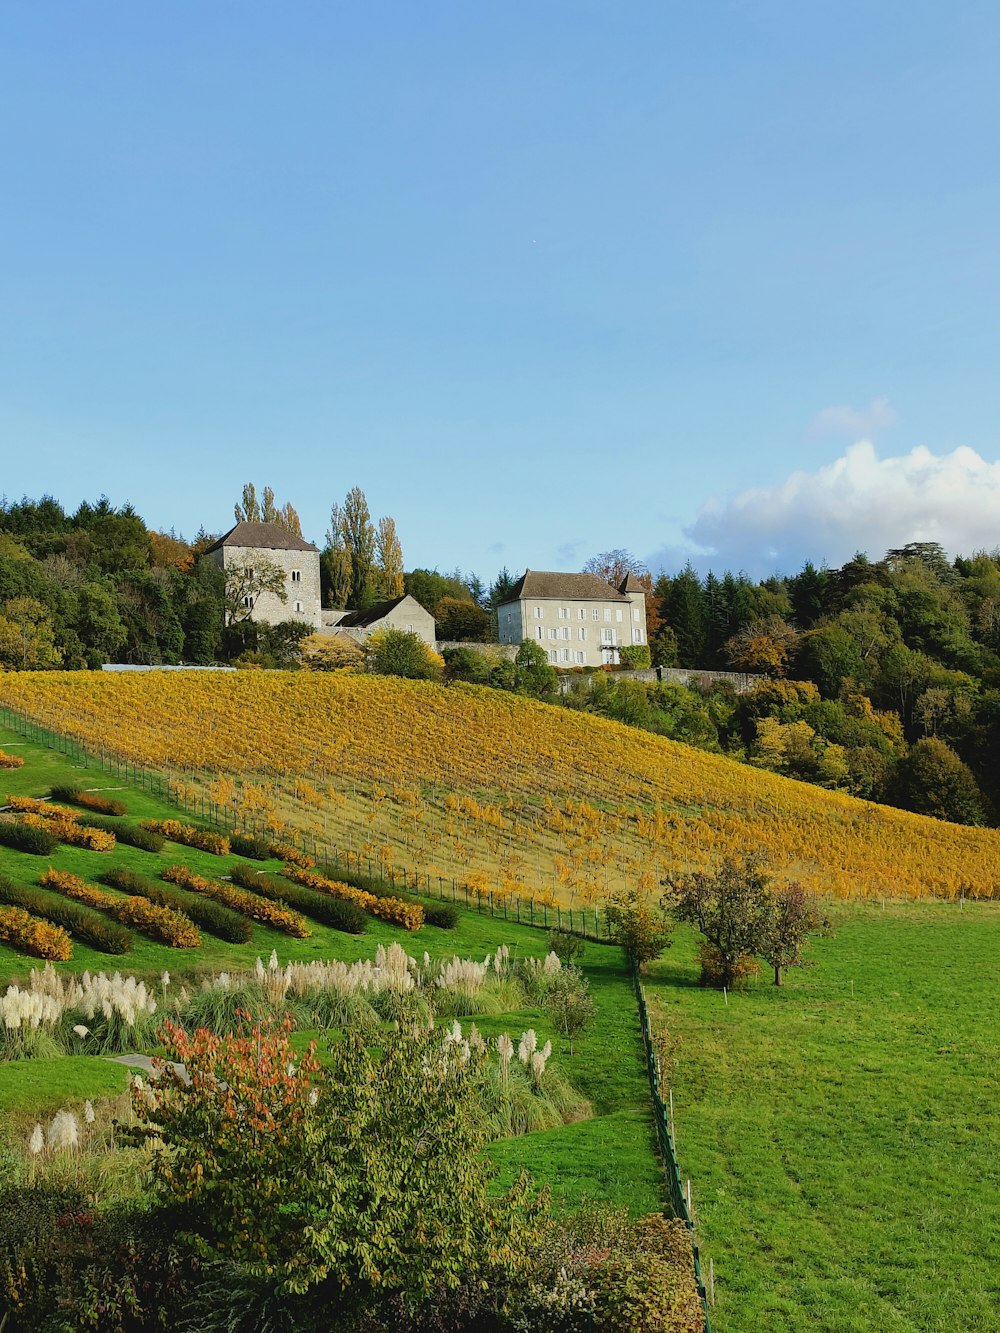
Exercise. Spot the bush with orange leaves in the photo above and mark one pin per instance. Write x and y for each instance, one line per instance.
(268, 913)
(160, 923)
(10, 760)
(28, 934)
(396, 911)
(67, 830)
(189, 836)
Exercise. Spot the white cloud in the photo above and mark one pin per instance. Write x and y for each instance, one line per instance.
(860, 502)
(853, 422)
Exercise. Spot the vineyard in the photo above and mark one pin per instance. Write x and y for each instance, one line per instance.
(509, 796)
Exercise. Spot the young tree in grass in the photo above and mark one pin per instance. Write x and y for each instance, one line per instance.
(570, 1003)
(639, 925)
(795, 915)
(732, 906)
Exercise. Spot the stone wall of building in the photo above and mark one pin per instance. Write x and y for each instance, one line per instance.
(301, 570)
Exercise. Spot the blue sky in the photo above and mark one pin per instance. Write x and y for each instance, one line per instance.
(542, 278)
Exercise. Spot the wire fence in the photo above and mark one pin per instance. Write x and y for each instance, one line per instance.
(590, 923)
(680, 1201)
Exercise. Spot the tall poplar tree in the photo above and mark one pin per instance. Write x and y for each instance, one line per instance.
(390, 558)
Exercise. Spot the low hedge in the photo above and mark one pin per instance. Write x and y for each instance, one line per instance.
(275, 914)
(78, 921)
(405, 912)
(335, 912)
(27, 838)
(209, 915)
(72, 832)
(160, 923)
(10, 760)
(442, 915)
(89, 800)
(133, 834)
(189, 836)
(40, 938)
(244, 844)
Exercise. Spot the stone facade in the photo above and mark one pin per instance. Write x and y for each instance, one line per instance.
(577, 618)
(402, 613)
(297, 558)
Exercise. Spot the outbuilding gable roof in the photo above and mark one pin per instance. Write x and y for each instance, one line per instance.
(262, 537)
(573, 587)
(372, 614)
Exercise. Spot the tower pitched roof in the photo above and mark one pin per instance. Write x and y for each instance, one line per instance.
(262, 537)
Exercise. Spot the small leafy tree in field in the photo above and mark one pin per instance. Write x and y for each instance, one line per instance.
(639, 926)
(795, 915)
(570, 1003)
(732, 907)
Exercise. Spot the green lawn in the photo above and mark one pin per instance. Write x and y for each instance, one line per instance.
(611, 1157)
(843, 1133)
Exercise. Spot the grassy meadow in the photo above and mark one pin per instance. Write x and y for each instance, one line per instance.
(842, 1133)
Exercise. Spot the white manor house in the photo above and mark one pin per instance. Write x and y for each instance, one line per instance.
(577, 618)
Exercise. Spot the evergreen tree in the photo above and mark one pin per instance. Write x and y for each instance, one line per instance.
(684, 612)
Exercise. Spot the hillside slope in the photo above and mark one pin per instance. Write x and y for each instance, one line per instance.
(511, 794)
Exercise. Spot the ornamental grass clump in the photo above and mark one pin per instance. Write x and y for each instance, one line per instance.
(29, 1024)
(118, 1013)
(521, 1092)
(537, 975)
(462, 986)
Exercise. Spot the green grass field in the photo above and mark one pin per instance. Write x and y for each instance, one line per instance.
(843, 1133)
(610, 1157)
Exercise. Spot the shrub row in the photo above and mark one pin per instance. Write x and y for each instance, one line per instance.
(442, 915)
(394, 910)
(247, 904)
(10, 760)
(209, 915)
(31, 805)
(335, 912)
(68, 830)
(133, 834)
(244, 844)
(284, 851)
(159, 923)
(89, 800)
(25, 932)
(27, 838)
(79, 921)
(189, 836)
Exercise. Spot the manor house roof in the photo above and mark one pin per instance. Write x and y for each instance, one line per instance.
(572, 587)
(262, 537)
